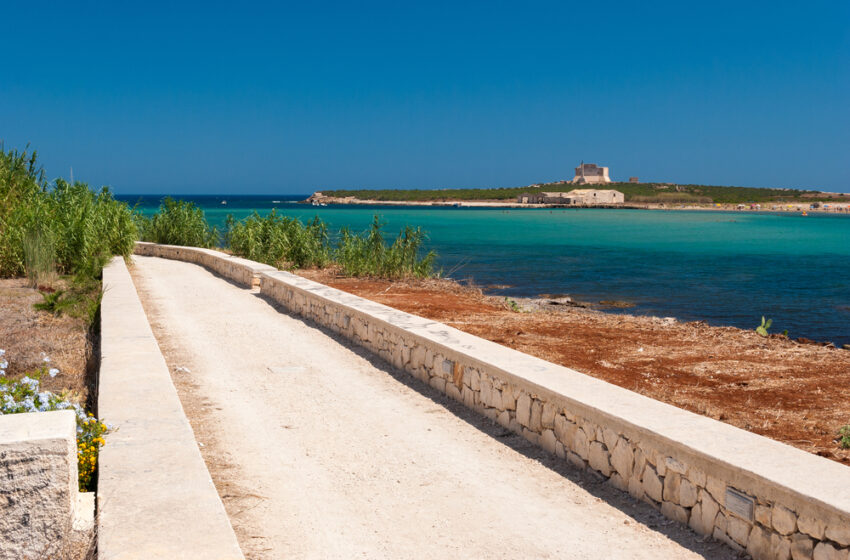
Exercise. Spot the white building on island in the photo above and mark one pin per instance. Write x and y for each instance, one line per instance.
(590, 174)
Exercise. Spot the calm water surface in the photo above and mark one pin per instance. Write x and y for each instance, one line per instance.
(722, 267)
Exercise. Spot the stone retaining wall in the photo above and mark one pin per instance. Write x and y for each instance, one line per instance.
(241, 271)
(753, 493)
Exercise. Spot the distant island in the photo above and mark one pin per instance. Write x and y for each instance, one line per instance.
(636, 194)
(632, 194)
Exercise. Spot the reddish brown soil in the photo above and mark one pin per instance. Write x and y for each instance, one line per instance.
(28, 335)
(795, 393)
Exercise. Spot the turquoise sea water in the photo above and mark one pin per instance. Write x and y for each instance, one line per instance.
(722, 267)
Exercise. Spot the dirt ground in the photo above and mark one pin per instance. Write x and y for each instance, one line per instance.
(795, 393)
(28, 336)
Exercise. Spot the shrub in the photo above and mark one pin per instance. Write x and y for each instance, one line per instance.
(80, 227)
(844, 437)
(279, 241)
(177, 222)
(368, 255)
(24, 395)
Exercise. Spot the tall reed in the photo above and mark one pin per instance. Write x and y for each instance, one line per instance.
(178, 222)
(84, 227)
(39, 258)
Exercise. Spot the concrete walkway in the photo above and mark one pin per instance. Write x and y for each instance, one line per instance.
(319, 451)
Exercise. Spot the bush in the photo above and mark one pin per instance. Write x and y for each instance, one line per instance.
(23, 395)
(368, 255)
(178, 222)
(279, 241)
(81, 228)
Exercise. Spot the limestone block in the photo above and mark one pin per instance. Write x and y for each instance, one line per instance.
(652, 485)
(717, 489)
(660, 464)
(548, 441)
(491, 413)
(758, 545)
(697, 521)
(738, 530)
(468, 397)
(762, 514)
(533, 437)
(598, 458)
(471, 378)
(839, 534)
(676, 466)
(453, 392)
(812, 527)
(580, 444)
(38, 459)
(523, 409)
(609, 438)
(672, 484)
(417, 356)
(565, 430)
(547, 417)
(640, 460)
(438, 383)
(784, 520)
(535, 423)
(697, 476)
(687, 493)
(623, 458)
(674, 512)
(636, 487)
(576, 460)
(825, 551)
(802, 547)
(509, 400)
(486, 394)
(504, 419)
(618, 482)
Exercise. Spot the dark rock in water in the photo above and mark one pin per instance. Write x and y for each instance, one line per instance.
(616, 303)
(846, 346)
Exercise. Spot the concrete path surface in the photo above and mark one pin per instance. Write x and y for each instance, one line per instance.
(320, 451)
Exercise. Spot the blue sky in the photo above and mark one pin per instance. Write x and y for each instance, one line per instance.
(290, 98)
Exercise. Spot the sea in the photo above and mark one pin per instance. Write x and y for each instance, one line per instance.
(724, 268)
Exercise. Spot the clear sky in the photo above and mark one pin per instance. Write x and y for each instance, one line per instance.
(252, 97)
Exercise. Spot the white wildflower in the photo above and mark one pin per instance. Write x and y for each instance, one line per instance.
(4, 364)
(53, 371)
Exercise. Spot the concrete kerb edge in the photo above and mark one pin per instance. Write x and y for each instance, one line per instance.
(141, 513)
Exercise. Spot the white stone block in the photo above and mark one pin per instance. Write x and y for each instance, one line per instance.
(38, 458)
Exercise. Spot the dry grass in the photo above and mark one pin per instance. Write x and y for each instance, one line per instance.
(28, 335)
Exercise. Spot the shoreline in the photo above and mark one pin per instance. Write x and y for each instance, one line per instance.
(784, 207)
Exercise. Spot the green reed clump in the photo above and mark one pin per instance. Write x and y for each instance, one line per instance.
(178, 222)
(280, 241)
(82, 228)
(286, 242)
(39, 258)
(368, 254)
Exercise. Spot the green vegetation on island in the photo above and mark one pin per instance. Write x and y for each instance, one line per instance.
(634, 193)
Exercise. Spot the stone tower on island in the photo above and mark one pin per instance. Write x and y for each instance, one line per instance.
(590, 174)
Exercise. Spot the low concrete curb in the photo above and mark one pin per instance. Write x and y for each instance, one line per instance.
(155, 495)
